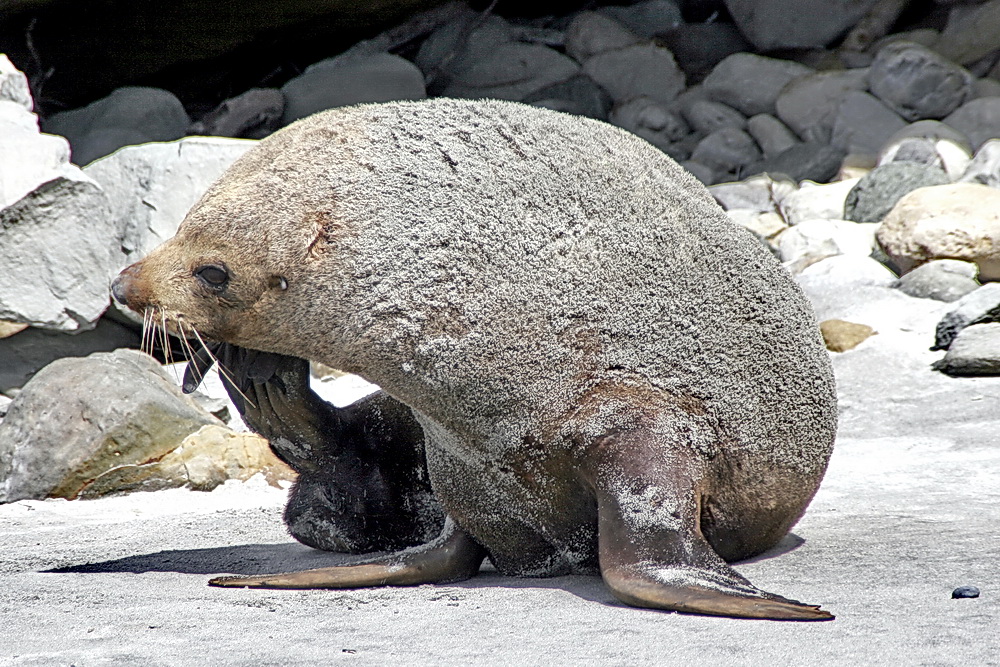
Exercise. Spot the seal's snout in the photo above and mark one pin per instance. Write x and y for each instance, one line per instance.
(123, 287)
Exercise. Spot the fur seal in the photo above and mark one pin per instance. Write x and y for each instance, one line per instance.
(609, 375)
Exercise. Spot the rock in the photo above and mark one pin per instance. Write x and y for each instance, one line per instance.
(727, 150)
(651, 120)
(698, 47)
(702, 172)
(806, 161)
(941, 279)
(813, 201)
(5, 402)
(253, 114)
(643, 70)
(841, 336)
(931, 129)
(955, 221)
(577, 95)
(128, 115)
(751, 83)
(795, 24)
(941, 154)
(917, 83)
(978, 120)
(985, 166)
(757, 193)
(864, 124)
(14, 85)
(970, 35)
(706, 117)
(80, 418)
(341, 81)
(765, 225)
(817, 239)
(985, 87)
(510, 71)
(844, 272)
(648, 18)
(8, 329)
(978, 306)
(965, 592)
(975, 351)
(465, 39)
(874, 195)
(809, 104)
(773, 136)
(590, 33)
(30, 350)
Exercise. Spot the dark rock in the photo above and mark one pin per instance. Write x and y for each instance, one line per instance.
(702, 172)
(917, 83)
(809, 105)
(510, 71)
(981, 305)
(706, 117)
(751, 83)
(879, 190)
(975, 351)
(806, 161)
(465, 39)
(864, 124)
(727, 150)
(648, 18)
(341, 81)
(577, 95)
(643, 70)
(965, 592)
(698, 47)
(773, 136)
(590, 33)
(978, 120)
(126, 116)
(254, 115)
(651, 120)
(795, 24)
(970, 35)
(941, 280)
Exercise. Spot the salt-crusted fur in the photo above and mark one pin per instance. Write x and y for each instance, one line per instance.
(527, 282)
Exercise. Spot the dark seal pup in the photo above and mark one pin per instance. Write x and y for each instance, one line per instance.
(609, 374)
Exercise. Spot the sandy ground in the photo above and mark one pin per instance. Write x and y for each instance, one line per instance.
(909, 510)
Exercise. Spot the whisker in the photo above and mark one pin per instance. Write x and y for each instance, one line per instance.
(222, 369)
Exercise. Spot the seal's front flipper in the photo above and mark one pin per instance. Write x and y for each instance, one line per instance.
(652, 551)
(453, 556)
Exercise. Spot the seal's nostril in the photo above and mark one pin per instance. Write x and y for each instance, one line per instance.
(122, 285)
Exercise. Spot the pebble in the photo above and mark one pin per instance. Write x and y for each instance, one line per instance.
(750, 83)
(648, 18)
(254, 115)
(863, 124)
(698, 47)
(577, 95)
(974, 352)
(809, 105)
(841, 335)
(817, 201)
(590, 33)
(652, 120)
(941, 280)
(809, 160)
(965, 592)
(978, 120)
(642, 70)
(874, 195)
(980, 305)
(773, 136)
(795, 24)
(706, 116)
(727, 150)
(917, 83)
(984, 168)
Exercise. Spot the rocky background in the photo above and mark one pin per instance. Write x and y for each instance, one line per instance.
(858, 140)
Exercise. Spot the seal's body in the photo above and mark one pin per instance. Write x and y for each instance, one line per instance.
(608, 373)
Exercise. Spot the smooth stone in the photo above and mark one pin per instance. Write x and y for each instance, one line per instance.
(825, 238)
(795, 24)
(806, 161)
(809, 105)
(253, 114)
(950, 157)
(985, 88)
(648, 18)
(642, 70)
(965, 592)
(975, 351)
(917, 83)
(577, 95)
(652, 120)
(702, 172)
(985, 165)
(980, 305)
(931, 129)
(942, 280)
(863, 124)
(750, 83)
(698, 47)
(128, 115)
(455, 42)
(773, 136)
(339, 81)
(954, 221)
(765, 225)
(841, 335)
(971, 35)
(510, 71)
(816, 201)
(845, 270)
(14, 85)
(706, 117)
(871, 199)
(979, 120)
(727, 150)
(590, 33)
(758, 193)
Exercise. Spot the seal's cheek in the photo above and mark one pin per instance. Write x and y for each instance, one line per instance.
(128, 288)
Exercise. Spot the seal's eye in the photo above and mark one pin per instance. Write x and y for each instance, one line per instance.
(213, 276)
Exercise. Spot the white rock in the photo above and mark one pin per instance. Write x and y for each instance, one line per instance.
(844, 269)
(813, 200)
(766, 224)
(14, 85)
(819, 238)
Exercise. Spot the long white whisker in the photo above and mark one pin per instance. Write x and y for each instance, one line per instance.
(222, 369)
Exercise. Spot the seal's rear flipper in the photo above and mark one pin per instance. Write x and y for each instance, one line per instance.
(652, 551)
(453, 556)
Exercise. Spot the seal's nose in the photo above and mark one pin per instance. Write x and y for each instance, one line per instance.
(122, 286)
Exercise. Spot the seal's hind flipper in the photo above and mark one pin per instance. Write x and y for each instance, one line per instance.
(453, 556)
(651, 548)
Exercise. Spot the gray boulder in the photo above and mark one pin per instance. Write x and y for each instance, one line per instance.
(577, 95)
(751, 83)
(649, 18)
(942, 280)
(809, 105)
(508, 71)
(917, 83)
(979, 120)
(975, 351)
(727, 150)
(978, 306)
(342, 81)
(783, 24)
(642, 70)
(590, 33)
(254, 114)
(806, 161)
(970, 35)
(129, 115)
(706, 116)
(864, 124)
(871, 199)
(698, 47)
(773, 136)
(653, 121)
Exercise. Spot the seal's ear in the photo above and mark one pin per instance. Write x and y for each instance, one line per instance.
(324, 229)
